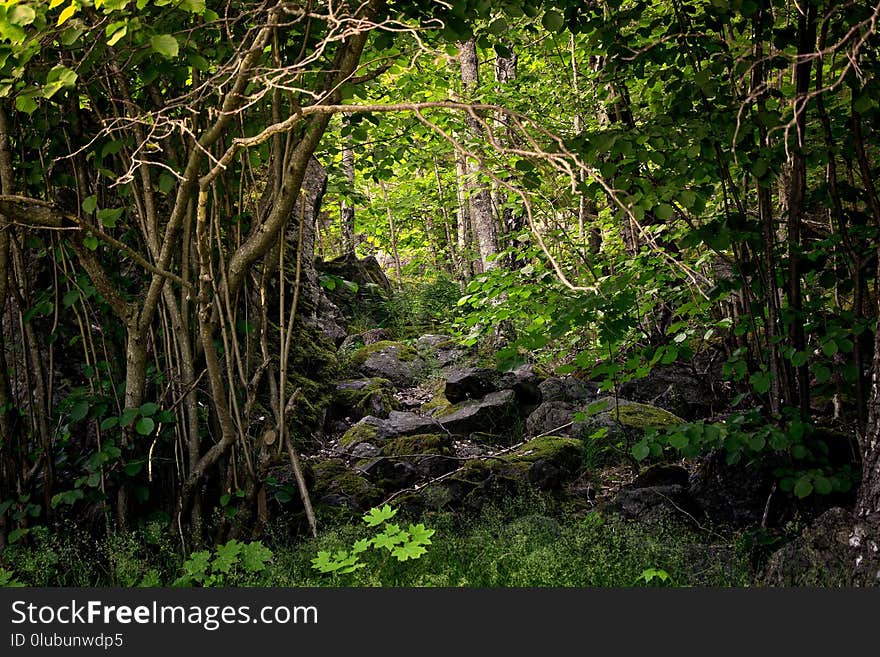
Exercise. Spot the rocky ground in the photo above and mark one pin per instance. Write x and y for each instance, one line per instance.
(424, 424)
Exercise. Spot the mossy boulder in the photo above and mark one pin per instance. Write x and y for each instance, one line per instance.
(438, 404)
(395, 361)
(361, 397)
(545, 463)
(403, 351)
(365, 431)
(429, 453)
(497, 413)
(338, 485)
(622, 418)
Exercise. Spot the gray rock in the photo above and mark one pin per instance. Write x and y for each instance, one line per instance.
(434, 341)
(394, 364)
(364, 451)
(653, 503)
(470, 383)
(679, 389)
(553, 417)
(525, 383)
(567, 389)
(495, 413)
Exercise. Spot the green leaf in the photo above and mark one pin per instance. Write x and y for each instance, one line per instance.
(79, 411)
(165, 44)
(760, 382)
(553, 21)
(640, 451)
(90, 242)
(90, 204)
(149, 409)
(823, 485)
(829, 348)
(25, 103)
(664, 212)
(109, 216)
(804, 486)
(254, 556)
(145, 426)
(226, 557)
(21, 15)
(377, 516)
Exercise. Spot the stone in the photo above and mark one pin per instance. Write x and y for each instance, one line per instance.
(733, 494)
(397, 362)
(551, 417)
(434, 341)
(470, 383)
(680, 389)
(429, 454)
(652, 503)
(497, 412)
(622, 419)
(567, 389)
(525, 383)
(361, 397)
(338, 485)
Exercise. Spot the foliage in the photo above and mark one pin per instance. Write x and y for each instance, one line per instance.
(231, 563)
(402, 544)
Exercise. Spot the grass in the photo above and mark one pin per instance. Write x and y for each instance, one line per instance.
(522, 545)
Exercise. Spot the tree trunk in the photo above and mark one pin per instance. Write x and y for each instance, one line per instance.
(346, 210)
(482, 216)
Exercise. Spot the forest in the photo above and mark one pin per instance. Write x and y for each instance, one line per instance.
(458, 293)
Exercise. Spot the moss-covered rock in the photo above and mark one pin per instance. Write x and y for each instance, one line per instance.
(622, 418)
(438, 405)
(365, 431)
(403, 351)
(313, 367)
(361, 397)
(395, 361)
(338, 485)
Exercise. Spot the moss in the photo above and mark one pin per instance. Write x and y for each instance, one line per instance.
(551, 448)
(438, 406)
(334, 477)
(404, 352)
(362, 432)
(429, 443)
(643, 416)
(376, 397)
(313, 368)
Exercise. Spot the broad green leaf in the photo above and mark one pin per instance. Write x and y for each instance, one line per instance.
(90, 204)
(804, 486)
(553, 21)
(165, 44)
(145, 426)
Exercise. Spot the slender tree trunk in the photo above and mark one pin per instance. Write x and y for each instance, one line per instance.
(797, 198)
(482, 216)
(346, 211)
(393, 231)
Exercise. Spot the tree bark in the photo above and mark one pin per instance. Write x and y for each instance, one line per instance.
(482, 217)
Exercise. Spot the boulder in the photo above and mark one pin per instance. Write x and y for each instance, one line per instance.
(335, 484)
(429, 454)
(434, 341)
(680, 389)
(496, 413)
(551, 417)
(622, 419)
(397, 362)
(658, 493)
(470, 383)
(567, 389)
(525, 383)
(545, 463)
(361, 397)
